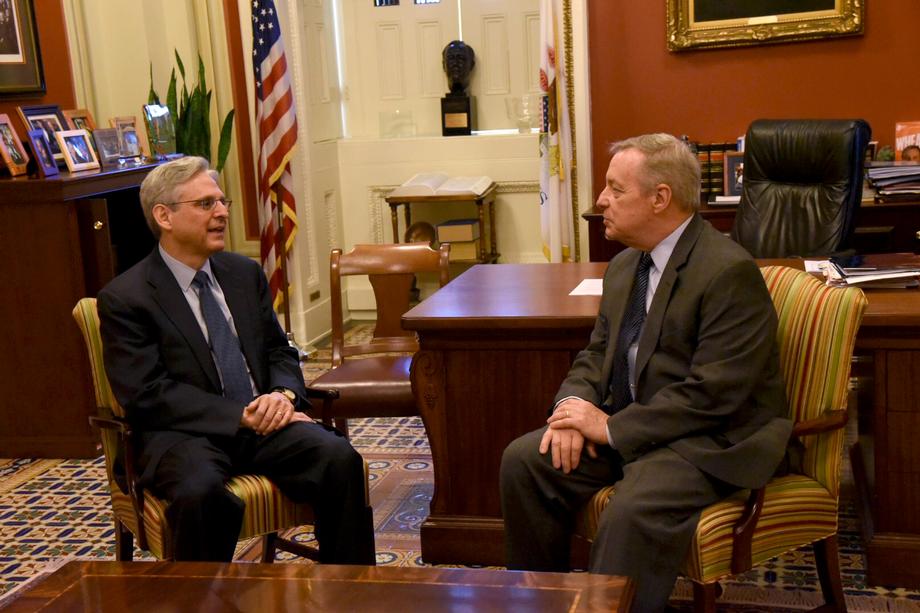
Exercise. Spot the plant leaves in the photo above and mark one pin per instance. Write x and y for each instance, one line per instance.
(223, 145)
(181, 65)
(152, 97)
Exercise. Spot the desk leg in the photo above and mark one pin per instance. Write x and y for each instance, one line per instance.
(407, 214)
(394, 218)
(482, 231)
(493, 243)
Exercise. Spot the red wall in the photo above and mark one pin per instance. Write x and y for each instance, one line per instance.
(638, 86)
(52, 39)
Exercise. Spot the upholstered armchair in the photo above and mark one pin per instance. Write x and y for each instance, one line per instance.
(376, 383)
(138, 512)
(802, 186)
(817, 332)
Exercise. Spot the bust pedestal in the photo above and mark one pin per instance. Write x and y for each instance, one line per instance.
(458, 115)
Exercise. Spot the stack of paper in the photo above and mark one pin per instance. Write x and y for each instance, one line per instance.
(872, 277)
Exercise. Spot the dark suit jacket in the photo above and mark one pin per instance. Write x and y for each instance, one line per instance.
(158, 361)
(708, 379)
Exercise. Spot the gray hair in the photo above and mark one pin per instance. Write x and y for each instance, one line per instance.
(159, 187)
(668, 160)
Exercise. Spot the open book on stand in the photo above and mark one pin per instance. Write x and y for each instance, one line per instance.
(441, 184)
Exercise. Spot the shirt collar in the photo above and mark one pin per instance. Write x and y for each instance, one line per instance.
(662, 251)
(183, 273)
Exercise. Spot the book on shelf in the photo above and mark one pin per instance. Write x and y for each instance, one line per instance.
(442, 184)
(724, 200)
(458, 230)
(464, 250)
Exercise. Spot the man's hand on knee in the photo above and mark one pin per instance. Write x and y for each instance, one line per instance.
(267, 413)
(580, 415)
(566, 447)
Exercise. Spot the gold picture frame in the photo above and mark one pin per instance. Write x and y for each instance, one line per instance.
(694, 24)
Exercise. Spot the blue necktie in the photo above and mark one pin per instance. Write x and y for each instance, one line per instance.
(224, 344)
(632, 322)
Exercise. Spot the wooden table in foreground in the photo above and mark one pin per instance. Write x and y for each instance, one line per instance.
(205, 586)
(496, 343)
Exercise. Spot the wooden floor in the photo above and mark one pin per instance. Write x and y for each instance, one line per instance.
(200, 586)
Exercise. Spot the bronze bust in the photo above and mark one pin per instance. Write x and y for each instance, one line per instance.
(459, 60)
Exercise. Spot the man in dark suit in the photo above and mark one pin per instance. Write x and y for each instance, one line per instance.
(195, 354)
(677, 399)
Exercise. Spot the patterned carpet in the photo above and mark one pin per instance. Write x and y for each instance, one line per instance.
(52, 511)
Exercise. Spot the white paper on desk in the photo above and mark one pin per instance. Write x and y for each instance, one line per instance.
(588, 287)
(815, 265)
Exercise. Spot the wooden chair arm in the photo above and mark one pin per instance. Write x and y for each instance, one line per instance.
(325, 411)
(831, 420)
(134, 491)
(743, 531)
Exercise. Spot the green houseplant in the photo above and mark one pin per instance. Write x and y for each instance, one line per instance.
(191, 114)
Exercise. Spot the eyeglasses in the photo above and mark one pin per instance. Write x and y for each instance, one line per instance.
(205, 204)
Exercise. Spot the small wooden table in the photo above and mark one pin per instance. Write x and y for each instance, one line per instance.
(209, 586)
(487, 197)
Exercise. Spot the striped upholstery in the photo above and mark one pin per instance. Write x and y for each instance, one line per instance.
(816, 335)
(267, 509)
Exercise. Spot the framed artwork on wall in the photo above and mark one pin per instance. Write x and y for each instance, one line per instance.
(48, 118)
(716, 23)
(78, 149)
(42, 152)
(20, 58)
(11, 150)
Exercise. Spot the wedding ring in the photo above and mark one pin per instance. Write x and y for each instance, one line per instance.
(566, 413)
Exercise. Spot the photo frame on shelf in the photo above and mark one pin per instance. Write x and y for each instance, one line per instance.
(48, 118)
(78, 150)
(127, 135)
(11, 150)
(20, 57)
(716, 23)
(107, 146)
(79, 119)
(41, 151)
(733, 173)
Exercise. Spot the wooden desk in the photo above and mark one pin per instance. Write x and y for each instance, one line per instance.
(487, 198)
(205, 587)
(496, 343)
(61, 239)
(880, 228)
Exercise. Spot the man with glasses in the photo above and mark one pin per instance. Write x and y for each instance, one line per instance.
(196, 356)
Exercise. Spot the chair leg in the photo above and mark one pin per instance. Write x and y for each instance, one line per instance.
(342, 424)
(827, 563)
(704, 597)
(124, 543)
(269, 541)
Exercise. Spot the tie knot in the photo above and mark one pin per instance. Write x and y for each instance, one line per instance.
(201, 279)
(645, 261)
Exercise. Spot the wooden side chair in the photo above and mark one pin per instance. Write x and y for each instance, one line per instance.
(817, 332)
(377, 385)
(138, 512)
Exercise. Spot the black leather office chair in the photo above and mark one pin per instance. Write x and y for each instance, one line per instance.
(802, 186)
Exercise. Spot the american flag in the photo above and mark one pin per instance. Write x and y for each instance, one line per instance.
(277, 123)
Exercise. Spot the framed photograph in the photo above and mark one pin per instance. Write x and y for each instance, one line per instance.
(79, 119)
(716, 23)
(20, 58)
(107, 145)
(733, 177)
(48, 118)
(127, 135)
(11, 150)
(42, 153)
(78, 149)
